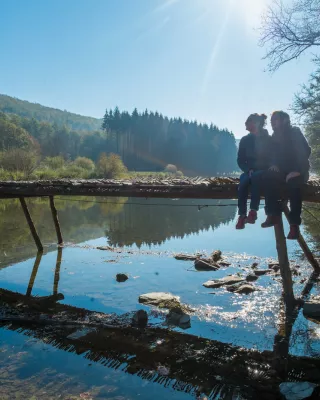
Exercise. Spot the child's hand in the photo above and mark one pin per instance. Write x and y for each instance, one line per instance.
(274, 168)
(292, 175)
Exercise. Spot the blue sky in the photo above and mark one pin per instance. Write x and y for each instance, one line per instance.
(197, 59)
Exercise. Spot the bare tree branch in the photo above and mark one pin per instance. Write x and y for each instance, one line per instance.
(287, 32)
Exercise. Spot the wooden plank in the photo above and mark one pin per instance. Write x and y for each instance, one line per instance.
(211, 188)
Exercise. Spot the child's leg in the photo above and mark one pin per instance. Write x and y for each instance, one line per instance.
(255, 181)
(243, 192)
(295, 196)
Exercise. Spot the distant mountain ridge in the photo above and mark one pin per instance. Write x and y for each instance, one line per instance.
(23, 108)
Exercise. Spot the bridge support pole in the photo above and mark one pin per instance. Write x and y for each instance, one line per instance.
(56, 220)
(57, 271)
(33, 230)
(34, 273)
(284, 264)
(305, 248)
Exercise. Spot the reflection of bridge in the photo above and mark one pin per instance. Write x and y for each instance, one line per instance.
(192, 364)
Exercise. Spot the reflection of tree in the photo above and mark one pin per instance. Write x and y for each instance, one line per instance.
(310, 216)
(80, 221)
(146, 224)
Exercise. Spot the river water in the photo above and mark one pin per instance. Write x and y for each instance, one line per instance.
(146, 234)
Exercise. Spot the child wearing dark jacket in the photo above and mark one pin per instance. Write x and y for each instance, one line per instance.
(254, 158)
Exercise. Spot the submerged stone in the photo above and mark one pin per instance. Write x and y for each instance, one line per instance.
(297, 390)
(177, 317)
(251, 278)
(260, 272)
(140, 318)
(311, 308)
(204, 265)
(224, 264)
(122, 277)
(186, 257)
(245, 289)
(228, 280)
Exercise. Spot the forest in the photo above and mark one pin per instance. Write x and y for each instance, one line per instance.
(137, 141)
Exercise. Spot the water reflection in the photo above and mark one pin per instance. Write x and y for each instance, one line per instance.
(83, 218)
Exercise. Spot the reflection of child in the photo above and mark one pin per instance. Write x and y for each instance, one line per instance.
(253, 159)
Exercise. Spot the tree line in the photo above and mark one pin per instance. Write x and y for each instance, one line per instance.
(150, 141)
(145, 141)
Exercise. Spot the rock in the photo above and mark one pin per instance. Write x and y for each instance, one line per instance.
(216, 255)
(228, 280)
(156, 298)
(140, 318)
(164, 300)
(178, 318)
(251, 278)
(122, 277)
(297, 390)
(184, 319)
(224, 264)
(311, 308)
(245, 289)
(295, 272)
(187, 257)
(105, 248)
(274, 266)
(254, 265)
(260, 272)
(203, 265)
(234, 287)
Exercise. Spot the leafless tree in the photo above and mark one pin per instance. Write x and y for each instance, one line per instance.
(289, 30)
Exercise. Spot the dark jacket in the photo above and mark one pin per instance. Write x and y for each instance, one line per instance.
(255, 152)
(291, 152)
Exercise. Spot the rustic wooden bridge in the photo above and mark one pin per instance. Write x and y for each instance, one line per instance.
(186, 188)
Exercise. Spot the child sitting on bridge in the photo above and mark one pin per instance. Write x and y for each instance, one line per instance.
(253, 159)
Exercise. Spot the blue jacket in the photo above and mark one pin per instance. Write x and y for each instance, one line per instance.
(255, 152)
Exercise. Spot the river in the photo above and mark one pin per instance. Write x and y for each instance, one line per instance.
(146, 234)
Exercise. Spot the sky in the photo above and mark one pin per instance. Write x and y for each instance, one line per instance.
(194, 59)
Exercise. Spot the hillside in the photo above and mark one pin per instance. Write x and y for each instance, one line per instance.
(12, 105)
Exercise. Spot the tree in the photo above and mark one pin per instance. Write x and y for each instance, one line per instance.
(12, 136)
(110, 166)
(288, 31)
(19, 160)
(307, 106)
(85, 163)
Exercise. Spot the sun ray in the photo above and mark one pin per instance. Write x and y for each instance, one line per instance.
(216, 47)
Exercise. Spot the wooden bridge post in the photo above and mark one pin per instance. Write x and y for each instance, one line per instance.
(31, 224)
(57, 271)
(284, 264)
(34, 273)
(56, 220)
(303, 245)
